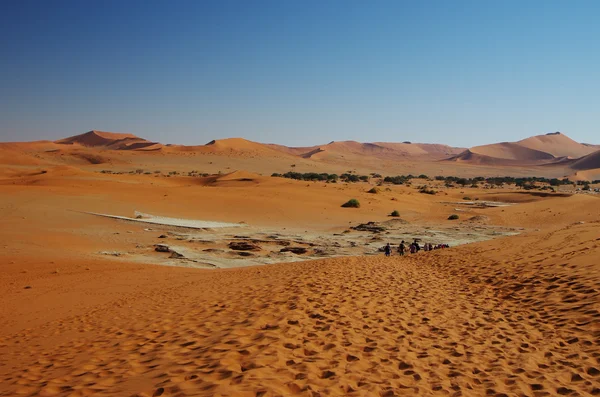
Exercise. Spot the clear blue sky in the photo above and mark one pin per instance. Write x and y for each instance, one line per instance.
(301, 72)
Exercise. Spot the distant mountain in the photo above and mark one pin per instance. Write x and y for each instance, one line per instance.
(541, 149)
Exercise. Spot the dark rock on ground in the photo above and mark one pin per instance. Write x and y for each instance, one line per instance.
(243, 246)
(372, 227)
(295, 250)
(161, 248)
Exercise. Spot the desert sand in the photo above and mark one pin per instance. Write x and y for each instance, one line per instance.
(88, 307)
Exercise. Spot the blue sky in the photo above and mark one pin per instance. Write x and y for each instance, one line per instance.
(301, 72)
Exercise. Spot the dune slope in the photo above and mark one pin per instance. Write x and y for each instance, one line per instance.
(516, 316)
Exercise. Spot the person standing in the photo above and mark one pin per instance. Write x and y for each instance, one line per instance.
(401, 248)
(388, 249)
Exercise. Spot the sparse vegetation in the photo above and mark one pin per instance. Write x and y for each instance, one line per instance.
(325, 177)
(467, 198)
(453, 217)
(352, 203)
(426, 190)
(526, 183)
(373, 190)
(395, 213)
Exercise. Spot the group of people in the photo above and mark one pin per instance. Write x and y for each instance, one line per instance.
(413, 248)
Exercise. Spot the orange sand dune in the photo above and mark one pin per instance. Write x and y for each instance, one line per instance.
(542, 149)
(516, 316)
(380, 150)
(558, 145)
(512, 151)
(98, 150)
(512, 316)
(587, 175)
(110, 140)
(232, 147)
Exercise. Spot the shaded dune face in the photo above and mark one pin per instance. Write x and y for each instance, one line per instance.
(109, 140)
(588, 162)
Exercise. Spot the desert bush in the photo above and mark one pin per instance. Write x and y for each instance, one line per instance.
(467, 198)
(453, 217)
(352, 203)
(373, 190)
(395, 213)
(425, 190)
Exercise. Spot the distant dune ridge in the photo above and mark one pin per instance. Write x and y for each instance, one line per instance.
(383, 150)
(552, 148)
(558, 153)
(110, 140)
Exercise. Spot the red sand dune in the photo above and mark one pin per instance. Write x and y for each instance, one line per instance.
(381, 150)
(554, 148)
(558, 145)
(109, 140)
(230, 146)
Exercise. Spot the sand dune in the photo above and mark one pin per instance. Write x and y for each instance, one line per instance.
(553, 148)
(126, 152)
(558, 145)
(589, 162)
(512, 151)
(82, 314)
(110, 140)
(508, 317)
(381, 150)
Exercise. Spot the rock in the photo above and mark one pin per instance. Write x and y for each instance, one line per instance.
(176, 255)
(369, 227)
(161, 248)
(213, 250)
(243, 246)
(294, 250)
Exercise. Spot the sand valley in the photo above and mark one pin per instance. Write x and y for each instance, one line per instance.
(139, 268)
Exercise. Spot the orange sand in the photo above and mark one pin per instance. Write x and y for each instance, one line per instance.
(516, 316)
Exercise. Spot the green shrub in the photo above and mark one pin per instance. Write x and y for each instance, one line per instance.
(373, 190)
(395, 213)
(352, 203)
(467, 198)
(453, 217)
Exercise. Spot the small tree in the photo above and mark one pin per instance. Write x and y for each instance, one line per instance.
(352, 203)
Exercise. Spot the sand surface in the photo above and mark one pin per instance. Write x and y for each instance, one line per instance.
(87, 307)
(515, 316)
